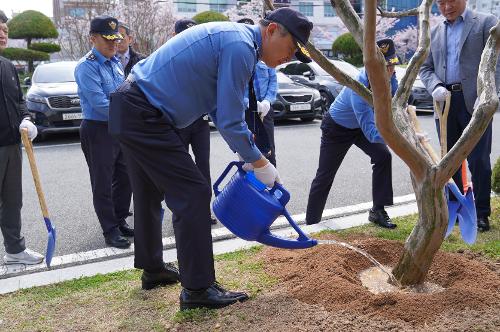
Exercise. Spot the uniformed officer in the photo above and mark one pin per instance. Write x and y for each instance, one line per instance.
(197, 134)
(97, 74)
(205, 68)
(349, 121)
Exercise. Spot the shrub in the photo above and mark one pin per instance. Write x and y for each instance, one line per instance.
(31, 24)
(45, 47)
(495, 177)
(23, 54)
(346, 47)
(209, 16)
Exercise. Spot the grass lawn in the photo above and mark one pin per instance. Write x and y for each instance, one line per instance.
(116, 302)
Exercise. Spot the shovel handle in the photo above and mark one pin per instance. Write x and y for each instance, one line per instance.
(34, 170)
(418, 128)
(443, 120)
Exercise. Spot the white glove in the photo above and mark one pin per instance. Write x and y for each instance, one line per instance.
(263, 108)
(32, 131)
(247, 167)
(267, 174)
(439, 93)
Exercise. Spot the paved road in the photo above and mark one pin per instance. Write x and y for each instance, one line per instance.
(66, 183)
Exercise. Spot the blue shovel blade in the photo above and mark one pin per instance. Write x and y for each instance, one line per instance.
(453, 207)
(467, 220)
(51, 242)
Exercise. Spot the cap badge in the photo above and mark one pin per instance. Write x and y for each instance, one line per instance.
(112, 24)
(384, 48)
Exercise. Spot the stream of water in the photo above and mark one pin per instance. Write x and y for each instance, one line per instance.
(392, 279)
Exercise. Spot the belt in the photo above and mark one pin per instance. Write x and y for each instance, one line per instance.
(130, 78)
(454, 87)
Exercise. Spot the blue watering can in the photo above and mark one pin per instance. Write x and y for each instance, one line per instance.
(248, 208)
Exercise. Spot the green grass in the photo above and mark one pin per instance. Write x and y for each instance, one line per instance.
(487, 243)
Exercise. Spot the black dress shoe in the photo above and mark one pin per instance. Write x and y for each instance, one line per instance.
(117, 241)
(483, 224)
(126, 230)
(213, 297)
(167, 276)
(381, 218)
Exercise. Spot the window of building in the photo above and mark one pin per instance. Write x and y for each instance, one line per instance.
(329, 11)
(306, 8)
(189, 6)
(218, 5)
(76, 12)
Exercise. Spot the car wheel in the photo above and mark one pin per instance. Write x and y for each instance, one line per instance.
(326, 102)
(40, 137)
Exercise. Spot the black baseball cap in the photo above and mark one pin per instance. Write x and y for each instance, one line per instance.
(106, 26)
(183, 24)
(387, 48)
(297, 24)
(246, 21)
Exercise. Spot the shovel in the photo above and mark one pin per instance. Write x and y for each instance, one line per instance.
(456, 209)
(51, 239)
(466, 212)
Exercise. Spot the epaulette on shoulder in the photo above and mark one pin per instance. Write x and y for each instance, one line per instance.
(91, 56)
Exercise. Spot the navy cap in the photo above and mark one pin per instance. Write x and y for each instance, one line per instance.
(387, 48)
(297, 24)
(246, 21)
(106, 26)
(183, 24)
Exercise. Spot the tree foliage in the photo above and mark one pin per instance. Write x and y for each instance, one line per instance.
(345, 47)
(31, 24)
(209, 16)
(45, 47)
(24, 54)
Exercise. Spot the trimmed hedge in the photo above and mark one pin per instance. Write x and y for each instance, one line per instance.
(45, 47)
(495, 177)
(31, 24)
(24, 54)
(345, 46)
(209, 16)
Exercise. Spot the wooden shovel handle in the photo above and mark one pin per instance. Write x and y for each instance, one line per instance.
(443, 121)
(416, 124)
(34, 170)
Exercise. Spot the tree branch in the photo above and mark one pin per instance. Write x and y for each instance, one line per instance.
(404, 89)
(409, 12)
(483, 112)
(379, 81)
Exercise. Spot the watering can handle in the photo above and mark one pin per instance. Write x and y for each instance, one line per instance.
(302, 242)
(284, 196)
(239, 164)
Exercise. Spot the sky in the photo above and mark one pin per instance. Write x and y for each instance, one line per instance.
(17, 6)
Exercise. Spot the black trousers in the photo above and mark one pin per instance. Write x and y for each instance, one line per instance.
(100, 150)
(121, 190)
(197, 135)
(161, 168)
(336, 140)
(268, 122)
(478, 159)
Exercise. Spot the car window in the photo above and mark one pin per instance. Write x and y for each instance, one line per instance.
(296, 69)
(54, 74)
(347, 68)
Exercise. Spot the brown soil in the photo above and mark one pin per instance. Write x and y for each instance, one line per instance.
(319, 290)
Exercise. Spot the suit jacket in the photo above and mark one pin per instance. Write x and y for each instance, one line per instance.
(475, 33)
(134, 58)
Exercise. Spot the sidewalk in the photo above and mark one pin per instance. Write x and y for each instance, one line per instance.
(107, 260)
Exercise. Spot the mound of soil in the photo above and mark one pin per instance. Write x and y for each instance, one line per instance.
(327, 277)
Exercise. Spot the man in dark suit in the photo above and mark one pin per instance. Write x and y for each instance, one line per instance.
(126, 53)
(452, 65)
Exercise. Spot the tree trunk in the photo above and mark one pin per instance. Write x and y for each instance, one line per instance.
(428, 234)
(30, 62)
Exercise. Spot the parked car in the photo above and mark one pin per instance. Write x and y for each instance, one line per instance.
(419, 97)
(312, 75)
(295, 100)
(52, 98)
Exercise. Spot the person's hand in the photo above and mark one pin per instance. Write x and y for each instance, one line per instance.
(32, 131)
(439, 93)
(263, 108)
(267, 174)
(247, 167)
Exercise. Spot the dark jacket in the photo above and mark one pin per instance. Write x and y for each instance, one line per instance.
(12, 104)
(134, 58)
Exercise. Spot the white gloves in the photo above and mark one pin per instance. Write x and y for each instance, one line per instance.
(267, 174)
(263, 108)
(32, 131)
(439, 93)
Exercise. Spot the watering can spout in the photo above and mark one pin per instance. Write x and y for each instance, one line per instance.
(275, 241)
